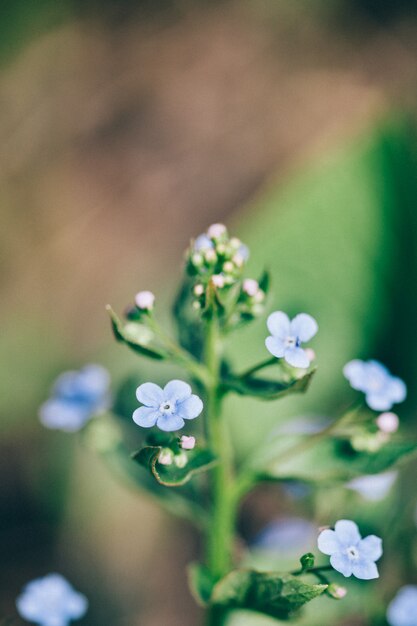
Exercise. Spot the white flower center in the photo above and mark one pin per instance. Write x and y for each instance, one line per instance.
(352, 553)
(291, 342)
(167, 407)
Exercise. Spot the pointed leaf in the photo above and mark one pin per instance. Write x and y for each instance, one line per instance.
(198, 460)
(266, 389)
(137, 337)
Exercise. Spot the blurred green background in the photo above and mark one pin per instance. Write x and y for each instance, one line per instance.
(126, 129)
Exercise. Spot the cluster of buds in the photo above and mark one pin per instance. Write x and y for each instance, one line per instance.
(378, 434)
(216, 256)
(167, 456)
(251, 299)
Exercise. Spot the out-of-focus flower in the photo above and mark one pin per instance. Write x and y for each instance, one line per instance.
(336, 591)
(145, 300)
(388, 422)
(166, 456)
(181, 460)
(187, 443)
(349, 553)
(381, 389)
(76, 397)
(218, 280)
(402, 610)
(51, 601)
(166, 408)
(250, 287)
(287, 336)
(373, 487)
(286, 535)
(216, 231)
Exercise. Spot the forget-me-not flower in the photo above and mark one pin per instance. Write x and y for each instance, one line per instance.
(402, 610)
(287, 336)
(373, 487)
(349, 553)
(166, 408)
(381, 389)
(76, 397)
(51, 601)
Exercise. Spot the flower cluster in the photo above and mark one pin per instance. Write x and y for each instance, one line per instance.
(76, 397)
(51, 601)
(166, 408)
(349, 553)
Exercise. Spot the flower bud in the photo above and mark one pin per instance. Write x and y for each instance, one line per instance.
(187, 443)
(221, 248)
(388, 422)
(228, 267)
(198, 290)
(197, 259)
(235, 243)
(336, 591)
(215, 231)
(250, 287)
(180, 460)
(166, 456)
(311, 355)
(210, 256)
(218, 280)
(145, 300)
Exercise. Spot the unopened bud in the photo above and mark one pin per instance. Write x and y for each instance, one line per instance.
(197, 259)
(166, 456)
(218, 280)
(215, 231)
(198, 290)
(210, 256)
(250, 287)
(187, 443)
(228, 267)
(180, 460)
(235, 243)
(220, 248)
(336, 591)
(145, 300)
(388, 422)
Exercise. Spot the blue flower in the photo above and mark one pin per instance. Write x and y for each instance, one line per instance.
(349, 553)
(286, 535)
(381, 389)
(166, 408)
(76, 397)
(287, 336)
(51, 601)
(402, 610)
(373, 487)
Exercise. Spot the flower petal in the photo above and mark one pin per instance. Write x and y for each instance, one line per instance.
(355, 372)
(403, 607)
(364, 569)
(296, 357)
(203, 243)
(145, 416)
(275, 346)
(341, 563)
(63, 415)
(150, 394)
(303, 326)
(169, 423)
(177, 390)
(379, 401)
(327, 542)
(370, 548)
(397, 390)
(190, 408)
(77, 605)
(347, 532)
(278, 324)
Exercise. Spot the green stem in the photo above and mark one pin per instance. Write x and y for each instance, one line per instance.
(221, 530)
(258, 367)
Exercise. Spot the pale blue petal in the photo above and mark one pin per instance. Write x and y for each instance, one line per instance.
(397, 390)
(177, 390)
(304, 327)
(278, 324)
(364, 569)
(355, 372)
(145, 416)
(347, 532)
(55, 620)
(275, 346)
(203, 243)
(243, 252)
(402, 610)
(341, 563)
(373, 487)
(169, 423)
(63, 415)
(150, 394)
(370, 548)
(77, 605)
(94, 379)
(190, 408)
(328, 542)
(296, 357)
(379, 401)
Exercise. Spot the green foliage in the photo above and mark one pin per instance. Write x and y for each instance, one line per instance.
(278, 595)
(201, 583)
(198, 460)
(265, 389)
(137, 337)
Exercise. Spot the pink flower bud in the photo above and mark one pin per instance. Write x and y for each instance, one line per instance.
(187, 443)
(218, 280)
(250, 287)
(145, 300)
(215, 231)
(198, 290)
(166, 457)
(311, 355)
(388, 422)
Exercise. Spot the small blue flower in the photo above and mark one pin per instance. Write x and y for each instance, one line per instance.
(402, 610)
(349, 553)
(373, 487)
(76, 397)
(381, 389)
(287, 336)
(166, 408)
(51, 601)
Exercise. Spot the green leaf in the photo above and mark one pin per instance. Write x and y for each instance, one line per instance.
(266, 389)
(201, 583)
(137, 337)
(265, 281)
(334, 460)
(188, 323)
(198, 460)
(277, 595)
